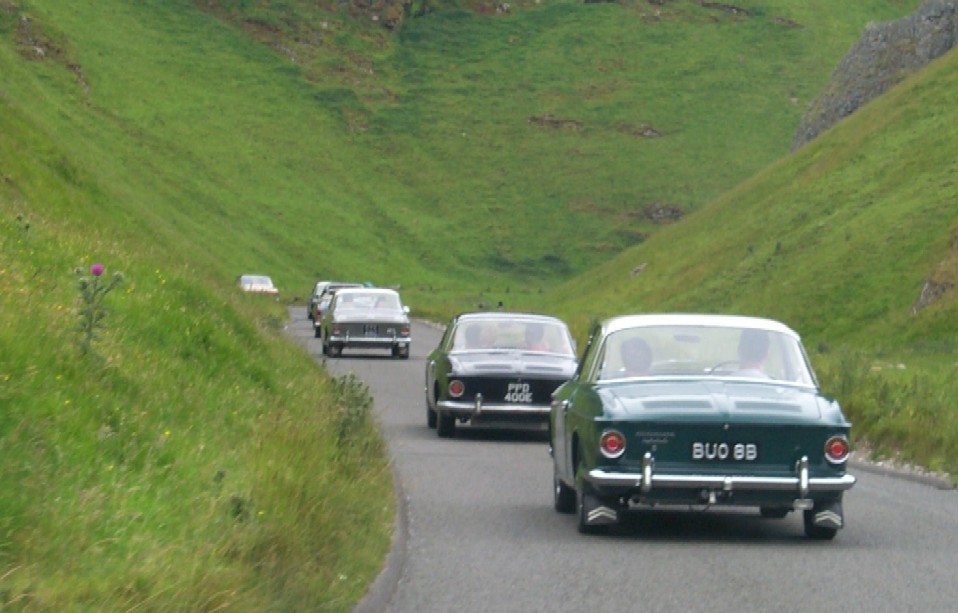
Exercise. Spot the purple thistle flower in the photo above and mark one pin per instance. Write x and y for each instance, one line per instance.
(96, 270)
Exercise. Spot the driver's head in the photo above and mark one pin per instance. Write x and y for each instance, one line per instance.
(753, 346)
(636, 355)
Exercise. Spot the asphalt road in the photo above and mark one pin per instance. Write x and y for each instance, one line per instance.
(478, 531)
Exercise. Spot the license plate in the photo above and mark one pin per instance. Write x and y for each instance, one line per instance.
(518, 392)
(371, 330)
(723, 452)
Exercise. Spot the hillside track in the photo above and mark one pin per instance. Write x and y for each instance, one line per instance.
(479, 532)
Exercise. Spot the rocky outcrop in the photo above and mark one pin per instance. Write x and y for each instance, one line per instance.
(942, 279)
(886, 54)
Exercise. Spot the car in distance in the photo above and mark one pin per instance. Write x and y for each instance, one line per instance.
(321, 302)
(257, 284)
(314, 295)
(322, 291)
(496, 368)
(700, 411)
(366, 318)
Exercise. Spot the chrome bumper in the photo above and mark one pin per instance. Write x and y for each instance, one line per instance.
(479, 406)
(346, 339)
(648, 480)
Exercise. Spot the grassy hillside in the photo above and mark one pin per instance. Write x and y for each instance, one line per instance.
(194, 459)
(562, 129)
(839, 240)
(466, 151)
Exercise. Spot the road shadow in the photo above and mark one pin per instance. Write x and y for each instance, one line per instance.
(540, 523)
(474, 434)
(734, 526)
(730, 526)
(738, 527)
(502, 434)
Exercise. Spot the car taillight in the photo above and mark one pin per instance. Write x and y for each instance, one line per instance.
(612, 444)
(836, 449)
(336, 329)
(404, 330)
(456, 388)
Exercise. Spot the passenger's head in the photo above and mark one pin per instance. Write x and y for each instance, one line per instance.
(534, 332)
(753, 346)
(636, 356)
(473, 333)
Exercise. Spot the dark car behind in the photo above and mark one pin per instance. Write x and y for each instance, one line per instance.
(497, 369)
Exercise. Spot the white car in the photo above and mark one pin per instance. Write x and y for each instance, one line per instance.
(257, 284)
(366, 318)
(323, 290)
(314, 297)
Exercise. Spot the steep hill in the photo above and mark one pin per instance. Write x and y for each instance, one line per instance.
(841, 238)
(852, 240)
(465, 150)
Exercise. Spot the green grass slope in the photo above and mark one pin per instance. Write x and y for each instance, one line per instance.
(465, 151)
(193, 460)
(542, 141)
(839, 240)
(179, 119)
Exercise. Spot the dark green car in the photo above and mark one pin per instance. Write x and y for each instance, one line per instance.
(699, 411)
(497, 369)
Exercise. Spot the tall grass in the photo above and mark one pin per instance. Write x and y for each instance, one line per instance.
(901, 411)
(187, 459)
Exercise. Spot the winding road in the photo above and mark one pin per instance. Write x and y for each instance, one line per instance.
(477, 531)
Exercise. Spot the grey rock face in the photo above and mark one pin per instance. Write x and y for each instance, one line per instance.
(886, 54)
